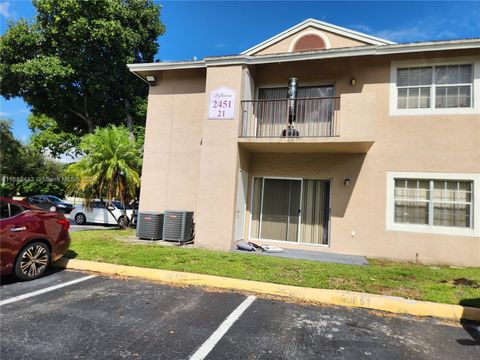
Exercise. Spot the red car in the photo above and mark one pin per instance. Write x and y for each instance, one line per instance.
(30, 238)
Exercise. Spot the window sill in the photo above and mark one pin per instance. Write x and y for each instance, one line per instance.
(438, 230)
(429, 111)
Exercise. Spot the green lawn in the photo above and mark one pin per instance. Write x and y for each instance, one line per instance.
(432, 283)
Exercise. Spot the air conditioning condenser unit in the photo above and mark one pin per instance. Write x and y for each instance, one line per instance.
(150, 225)
(178, 226)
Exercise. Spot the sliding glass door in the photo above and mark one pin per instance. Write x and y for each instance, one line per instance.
(280, 211)
(295, 210)
(315, 212)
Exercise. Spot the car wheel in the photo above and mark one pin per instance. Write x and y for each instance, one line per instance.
(122, 222)
(80, 219)
(32, 261)
(53, 208)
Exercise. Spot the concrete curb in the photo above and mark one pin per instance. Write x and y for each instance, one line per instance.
(324, 296)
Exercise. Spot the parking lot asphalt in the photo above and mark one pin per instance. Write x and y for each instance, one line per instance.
(69, 315)
(74, 227)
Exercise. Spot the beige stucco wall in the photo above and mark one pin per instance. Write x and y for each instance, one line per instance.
(219, 166)
(360, 208)
(284, 45)
(422, 143)
(174, 126)
(192, 163)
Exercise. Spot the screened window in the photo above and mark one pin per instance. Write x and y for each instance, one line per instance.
(452, 203)
(433, 202)
(453, 86)
(414, 87)
(447, 86)
(412, 201)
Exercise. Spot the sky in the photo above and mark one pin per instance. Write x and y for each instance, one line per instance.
(210, 28)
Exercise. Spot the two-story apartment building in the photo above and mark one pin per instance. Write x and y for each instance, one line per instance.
(325, 139)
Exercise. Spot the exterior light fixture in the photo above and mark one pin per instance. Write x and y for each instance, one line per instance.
(151, 80)
(346, 182)
(353, 81)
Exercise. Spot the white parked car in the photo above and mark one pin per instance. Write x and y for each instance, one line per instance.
(100, 212)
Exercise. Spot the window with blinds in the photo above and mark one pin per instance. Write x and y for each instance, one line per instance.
(433, 202)
(446, 86)
(414, 87)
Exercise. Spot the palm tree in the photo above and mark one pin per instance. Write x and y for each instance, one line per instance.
(110, 167)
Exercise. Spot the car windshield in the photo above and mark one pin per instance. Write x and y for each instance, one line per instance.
(54, 198)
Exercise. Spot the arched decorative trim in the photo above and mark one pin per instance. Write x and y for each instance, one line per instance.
(301, 34)
(320, 25)
(309, 42)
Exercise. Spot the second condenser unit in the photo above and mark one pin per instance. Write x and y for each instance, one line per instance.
(178, 226)
(150, 226)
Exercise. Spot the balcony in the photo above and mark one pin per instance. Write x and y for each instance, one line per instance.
(314, 117)
(339, 124)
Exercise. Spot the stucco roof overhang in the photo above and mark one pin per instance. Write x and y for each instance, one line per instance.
(368, 50)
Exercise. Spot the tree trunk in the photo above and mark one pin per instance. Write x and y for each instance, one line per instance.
(129, 119)
(87, 115)
(125, 217)
(85, 118)
(90, 125)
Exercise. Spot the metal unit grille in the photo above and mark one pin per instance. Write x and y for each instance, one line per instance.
(150, 226)
(178, 226)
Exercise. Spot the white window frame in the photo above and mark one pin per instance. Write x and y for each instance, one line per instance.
(432, 110)
(474, 230)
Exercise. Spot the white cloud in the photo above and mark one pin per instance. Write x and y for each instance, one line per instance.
(4, 9)
(67, 158)
(12, 113)
(432, 28)
(362, 28)
(415, 33)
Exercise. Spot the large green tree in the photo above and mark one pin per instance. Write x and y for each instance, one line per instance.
(25, 171)
(69, 64)
(10, 148)
(47, 135)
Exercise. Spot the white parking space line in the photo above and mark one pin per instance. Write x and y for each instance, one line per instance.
(208, 345)
(42, 291)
